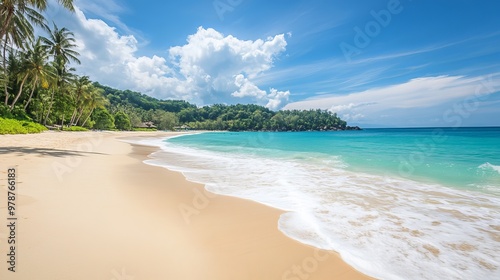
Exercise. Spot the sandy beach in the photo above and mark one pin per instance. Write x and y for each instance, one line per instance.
(87, 207)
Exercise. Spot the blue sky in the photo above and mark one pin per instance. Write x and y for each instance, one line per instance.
(383, 63)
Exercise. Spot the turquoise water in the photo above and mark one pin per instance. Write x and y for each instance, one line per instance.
(395, 203)
(463, 158)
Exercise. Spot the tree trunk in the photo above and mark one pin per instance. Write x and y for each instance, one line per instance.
(73, 116)
(79, 116)
(50, 107)
(19, 93)
(6, 85)
(87, 118)
(39, 115)
(31, 95)
(6, 24)
(77, 102)
(3, 32)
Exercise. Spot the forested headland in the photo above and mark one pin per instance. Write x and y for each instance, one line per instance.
(39, 89)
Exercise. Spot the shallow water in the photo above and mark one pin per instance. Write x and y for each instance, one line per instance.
(395, 203)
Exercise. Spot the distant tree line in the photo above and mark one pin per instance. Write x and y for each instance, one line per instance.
(166, 114)
(258, 118)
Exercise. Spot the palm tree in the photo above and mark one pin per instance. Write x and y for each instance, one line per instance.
(38, 67)
(97, 100)
(61, 45)
(6, 72)
(81, 88)
(12, 70)
(33, 65)
(22, 75)
(14, 11)
(17, 18)
(58, 83)
(84, 104)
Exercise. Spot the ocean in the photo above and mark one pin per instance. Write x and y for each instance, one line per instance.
(419, 203)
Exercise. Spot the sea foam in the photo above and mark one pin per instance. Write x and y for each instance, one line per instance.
(386, 227)
(490, 167)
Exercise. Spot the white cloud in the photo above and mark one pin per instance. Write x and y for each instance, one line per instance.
(209, 68)
(276, 98)
(419, 93)
(107, 10)
(353, 117)
(247, 88)
(344, 111)
(342, 108)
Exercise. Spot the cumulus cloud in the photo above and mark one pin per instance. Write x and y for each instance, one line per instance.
(209, 68)
(276, 98)
(246, 88)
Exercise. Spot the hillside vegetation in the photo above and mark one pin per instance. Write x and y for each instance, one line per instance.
(39, 89)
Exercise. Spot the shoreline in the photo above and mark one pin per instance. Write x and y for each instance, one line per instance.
(109, 214)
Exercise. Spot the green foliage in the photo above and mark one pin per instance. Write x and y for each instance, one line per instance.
(20, 114)
(164, 120)
(135, 118)
(17, 113)
(32, 127)
(11, 126)
(122, 121)
(127, 98)
(257, 118)
(90, 124)
(143, 129)
(5, 112)
(103, 119)
(75, 128)
(168, 114)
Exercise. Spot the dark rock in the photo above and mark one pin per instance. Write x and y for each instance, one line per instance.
(352, 128)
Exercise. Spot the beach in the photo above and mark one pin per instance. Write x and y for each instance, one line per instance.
(87, 207)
